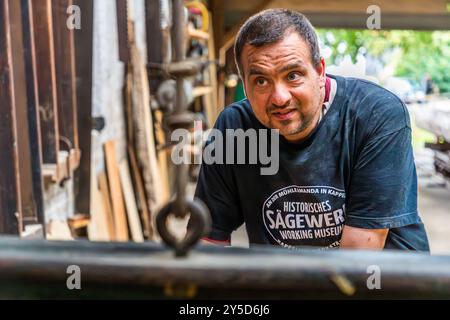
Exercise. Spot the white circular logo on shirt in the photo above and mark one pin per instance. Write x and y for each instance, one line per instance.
(305, 216)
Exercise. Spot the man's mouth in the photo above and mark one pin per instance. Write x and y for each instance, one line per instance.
(283, 114)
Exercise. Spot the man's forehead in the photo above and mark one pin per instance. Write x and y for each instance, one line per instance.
(292, 46)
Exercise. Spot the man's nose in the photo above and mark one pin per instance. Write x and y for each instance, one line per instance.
(281, 96)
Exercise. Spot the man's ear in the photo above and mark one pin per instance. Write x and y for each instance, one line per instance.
(321, 71)
(244, 84)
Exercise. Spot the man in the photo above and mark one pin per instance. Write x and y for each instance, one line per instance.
(346, 174)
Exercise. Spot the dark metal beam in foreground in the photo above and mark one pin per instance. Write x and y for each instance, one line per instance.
(38, 269)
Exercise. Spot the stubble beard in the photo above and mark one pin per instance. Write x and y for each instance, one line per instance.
(301, 124)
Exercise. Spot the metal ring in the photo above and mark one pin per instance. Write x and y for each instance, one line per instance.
(199, 226)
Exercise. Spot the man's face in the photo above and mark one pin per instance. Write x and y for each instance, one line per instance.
(285, 90)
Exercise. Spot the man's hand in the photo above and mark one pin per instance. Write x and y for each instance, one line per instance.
(357, 238)
(208, 242)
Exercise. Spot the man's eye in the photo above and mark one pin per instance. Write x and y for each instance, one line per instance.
(261, 82)
(293, 76)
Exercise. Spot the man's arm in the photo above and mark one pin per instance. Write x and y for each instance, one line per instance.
(358, 238)
(208, 242)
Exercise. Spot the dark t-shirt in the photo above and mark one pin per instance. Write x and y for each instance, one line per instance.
(355, 169)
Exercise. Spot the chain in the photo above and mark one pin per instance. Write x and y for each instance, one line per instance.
(199, 223)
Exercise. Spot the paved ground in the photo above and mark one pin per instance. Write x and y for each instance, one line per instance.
(434, 191)
(434, 201)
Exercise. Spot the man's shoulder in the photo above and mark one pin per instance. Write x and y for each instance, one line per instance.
(371, 102)
(238, 115)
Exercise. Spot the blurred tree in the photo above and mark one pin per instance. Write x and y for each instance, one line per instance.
(420, 52)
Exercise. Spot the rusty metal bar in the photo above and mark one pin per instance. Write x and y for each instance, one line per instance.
(65, 76)
(122, 30)
(28, 204)
(10, 200)
(34, 133)
(83, 58)
(156, 41)
(45, 70)
(129, 270)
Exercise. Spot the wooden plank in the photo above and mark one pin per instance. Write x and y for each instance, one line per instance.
(83, 58)
(118, 206)
(98, 228)
(78, 221)
(106, 199)
(130, 202)
(65, 76)
(201, 91)
(145, 138)
(163, 156)
(46, 78)
(34, 133)
(9, 168)
(198, 34)
(58, 230)
(142, 198)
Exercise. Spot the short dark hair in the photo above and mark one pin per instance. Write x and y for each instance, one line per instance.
(272, 25)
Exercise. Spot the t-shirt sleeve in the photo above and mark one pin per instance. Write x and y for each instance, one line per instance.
(383, 187)
(217, 189)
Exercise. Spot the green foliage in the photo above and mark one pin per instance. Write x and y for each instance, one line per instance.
(420, 52)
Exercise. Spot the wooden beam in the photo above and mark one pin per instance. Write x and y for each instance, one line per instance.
(118, 205)
(217, 8)
(347, 6)
(46, 78)
(404, 7)
(65, 76)
(83, 58)
(10, 202)
(130, 202)
(402, 14)
(388, 21)
(98, 228)
(106, 199)
(142, 197)
(34, 133)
